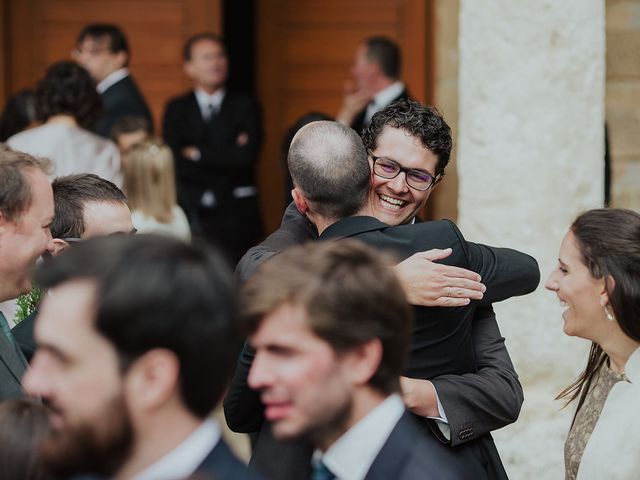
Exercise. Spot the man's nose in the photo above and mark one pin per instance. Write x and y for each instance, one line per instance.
(399, 183)
(259, 375)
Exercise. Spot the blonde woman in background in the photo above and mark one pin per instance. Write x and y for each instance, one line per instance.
(149, 181)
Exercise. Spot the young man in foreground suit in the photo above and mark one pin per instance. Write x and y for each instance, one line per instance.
(215, 138)
(104, 51)
(136, 340)
(344, 192)
(26, 211)
(331, 325)
(85, 206)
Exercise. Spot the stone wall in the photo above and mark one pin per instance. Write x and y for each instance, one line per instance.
(530, 157)
(623, 100)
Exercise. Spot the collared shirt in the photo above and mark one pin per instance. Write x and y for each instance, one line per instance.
(183, 460)
(352, 455)
(112, 78)
(209, 103)
(383, 99)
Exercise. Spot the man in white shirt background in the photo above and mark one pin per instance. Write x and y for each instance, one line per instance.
(104, 51)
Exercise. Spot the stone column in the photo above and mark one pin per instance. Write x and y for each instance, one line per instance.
(530, 158)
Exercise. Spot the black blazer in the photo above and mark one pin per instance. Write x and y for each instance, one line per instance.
(222, 464)
(358, 122)
(121, 99)
(441, 340)
(225, 163)
(409, 454)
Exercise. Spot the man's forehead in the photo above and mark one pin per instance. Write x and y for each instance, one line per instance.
(104, 217)
(69, 303)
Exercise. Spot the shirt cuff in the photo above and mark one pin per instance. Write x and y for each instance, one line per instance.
(441, 420)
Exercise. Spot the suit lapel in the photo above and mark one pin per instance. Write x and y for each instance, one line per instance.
(352, 226)
(12, 358)
(395, 452)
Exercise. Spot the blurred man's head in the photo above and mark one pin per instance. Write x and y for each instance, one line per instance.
(376, 64)
(87, 206)
(205, 61)
(330, 325)
(414, 137)
(137, 338)
(329, 169)
(129, 131)
(26, 213)
(102, 49)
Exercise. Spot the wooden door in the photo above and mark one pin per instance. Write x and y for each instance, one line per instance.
(305, 50)
(40, 32)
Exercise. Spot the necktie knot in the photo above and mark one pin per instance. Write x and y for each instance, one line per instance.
(321, 472)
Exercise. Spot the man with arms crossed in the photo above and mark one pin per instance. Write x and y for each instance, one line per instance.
(215, 138)
(26, 211)
(330, 325)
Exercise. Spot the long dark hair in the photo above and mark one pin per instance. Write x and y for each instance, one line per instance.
(609, 242)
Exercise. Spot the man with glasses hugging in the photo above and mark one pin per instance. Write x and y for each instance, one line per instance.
(85, 206)
(471, 390)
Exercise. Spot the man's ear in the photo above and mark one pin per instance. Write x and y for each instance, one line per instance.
(153, 380)
(363, 362)
(59, 246)
(122, 58)
(300, 201)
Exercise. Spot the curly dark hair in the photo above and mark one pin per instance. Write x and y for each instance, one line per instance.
(421, 121)
(67, 88)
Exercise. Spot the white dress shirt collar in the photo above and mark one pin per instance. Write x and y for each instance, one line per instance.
(112, 78)
(384, 97)
(183, 460)
(205, 99)
(352, 455)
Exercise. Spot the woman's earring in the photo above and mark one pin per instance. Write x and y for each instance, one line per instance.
(610, 316)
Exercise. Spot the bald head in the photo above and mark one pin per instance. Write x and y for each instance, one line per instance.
(328, 164)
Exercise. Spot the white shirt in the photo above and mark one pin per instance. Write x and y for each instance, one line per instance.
(209, 103)
(352, 455)
(72, 150)
(183, 460)
(112, 78)
(383, 99)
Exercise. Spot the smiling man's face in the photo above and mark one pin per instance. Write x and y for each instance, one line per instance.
(392, 200)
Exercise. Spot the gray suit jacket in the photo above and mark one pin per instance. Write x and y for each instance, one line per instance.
(12, 367)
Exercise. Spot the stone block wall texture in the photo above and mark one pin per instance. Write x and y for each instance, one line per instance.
(623, 100)
(530, 158)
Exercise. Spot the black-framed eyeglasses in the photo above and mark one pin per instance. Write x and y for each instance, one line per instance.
(76, 240)
(418, 179)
